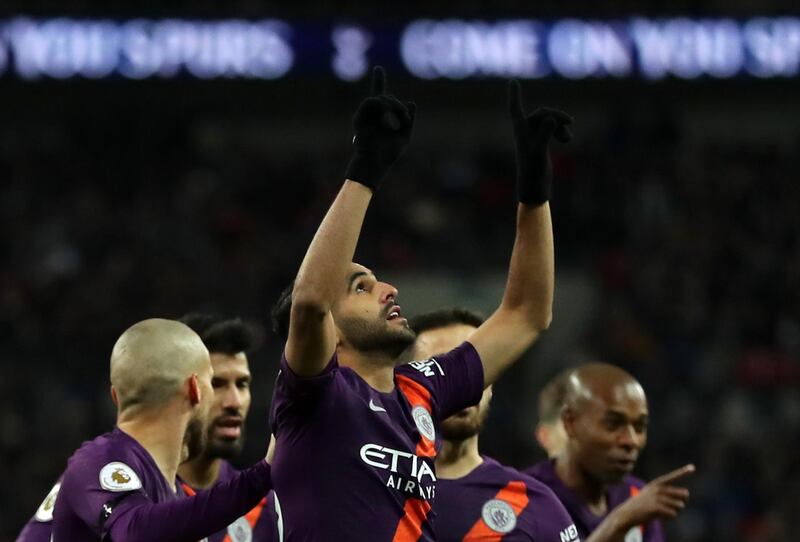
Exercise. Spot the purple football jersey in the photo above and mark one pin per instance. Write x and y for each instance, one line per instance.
(585, 520)
(113, 490)
(259, 525)
(495, 502)
(99, 478)
(352, 463)
(40, 526)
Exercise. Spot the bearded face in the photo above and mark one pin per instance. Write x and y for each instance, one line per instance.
(368, 318)
(377, 335)
(194, 439)
(226, 427)
(223, 446)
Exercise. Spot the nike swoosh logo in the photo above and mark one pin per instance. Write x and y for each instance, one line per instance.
(375, 408)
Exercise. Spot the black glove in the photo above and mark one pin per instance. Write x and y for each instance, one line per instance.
(532, 135)
(383, 128)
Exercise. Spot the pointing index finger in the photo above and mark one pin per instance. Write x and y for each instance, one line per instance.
(675, 475)
(378, 81)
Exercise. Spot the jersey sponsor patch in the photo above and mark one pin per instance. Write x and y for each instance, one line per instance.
(634, 535)
(499, 516)
(117, 476)
(45, 511)
(240, 531)
(424, 422)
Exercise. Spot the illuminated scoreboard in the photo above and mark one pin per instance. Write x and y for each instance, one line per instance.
(270, 49)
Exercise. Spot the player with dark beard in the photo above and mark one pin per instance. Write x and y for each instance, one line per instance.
(228, 343)
(605, 417)
(122, 486)
(356, 434)
(478, 498)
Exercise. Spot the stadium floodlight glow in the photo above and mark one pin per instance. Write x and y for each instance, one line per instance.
(456, 49)
(350, 62)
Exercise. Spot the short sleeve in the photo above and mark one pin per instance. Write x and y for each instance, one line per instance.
(455, 379)
(298, 392)
(96, 492)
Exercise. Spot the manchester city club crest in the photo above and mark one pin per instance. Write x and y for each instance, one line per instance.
(240, 531)
(499, 516)
(424, 422)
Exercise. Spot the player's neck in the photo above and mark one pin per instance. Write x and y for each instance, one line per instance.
(201, 472)
(591, 491)
(161, 433)
(376, 369)
(458, 458)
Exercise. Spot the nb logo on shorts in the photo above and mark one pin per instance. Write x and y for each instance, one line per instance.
(426, 367)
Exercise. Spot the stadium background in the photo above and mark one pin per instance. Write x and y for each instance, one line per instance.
(675, 215)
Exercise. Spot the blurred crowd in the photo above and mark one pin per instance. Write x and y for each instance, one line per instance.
(694, 250)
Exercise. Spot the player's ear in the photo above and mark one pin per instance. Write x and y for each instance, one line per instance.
(114, 397)
(568, 419)
(543, 436)
(193, 385)
(339, 335)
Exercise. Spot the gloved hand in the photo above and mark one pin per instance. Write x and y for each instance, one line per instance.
(532, 135)
(382, 130)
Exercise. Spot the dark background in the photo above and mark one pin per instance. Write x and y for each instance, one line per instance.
(675, 217)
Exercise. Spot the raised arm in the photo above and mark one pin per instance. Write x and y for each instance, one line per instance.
(382, 130)
(526, 308)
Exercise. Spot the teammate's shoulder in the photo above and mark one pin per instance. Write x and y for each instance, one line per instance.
(96, 449)
(541, 471)
(539, 488)
(113, 459)
(513, 474)
(494, 468)
(505, 474)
